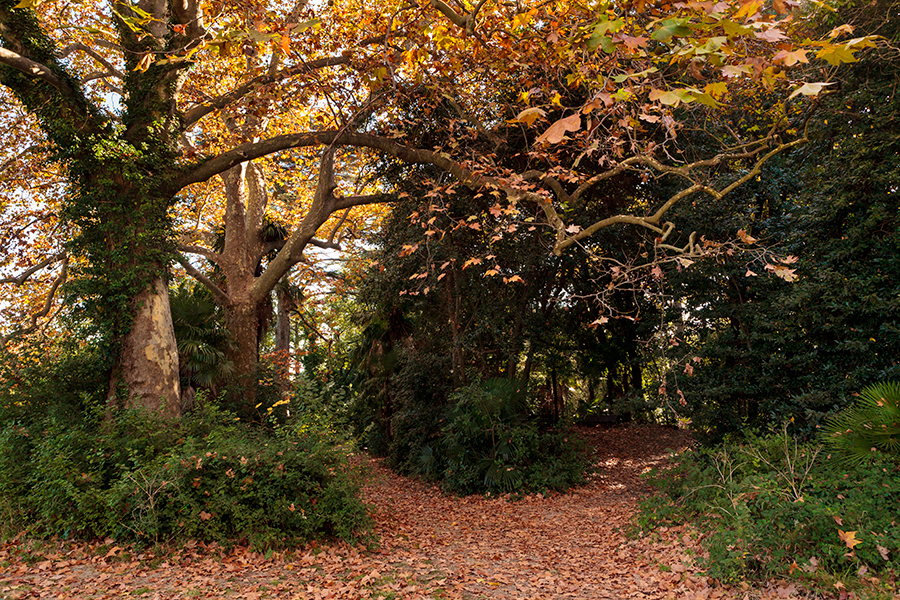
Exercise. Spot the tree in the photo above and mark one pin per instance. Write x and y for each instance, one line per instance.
(126, 169)
(770, 351)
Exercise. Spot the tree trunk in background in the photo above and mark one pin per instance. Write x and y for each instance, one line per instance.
(147, 367)
(283, 337)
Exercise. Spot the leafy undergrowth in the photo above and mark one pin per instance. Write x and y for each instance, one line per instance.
(432, 546)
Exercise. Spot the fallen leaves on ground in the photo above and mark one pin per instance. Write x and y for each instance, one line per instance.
(432, 546)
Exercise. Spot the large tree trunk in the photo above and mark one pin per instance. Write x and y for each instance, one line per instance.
(146, 373)
(241, 321)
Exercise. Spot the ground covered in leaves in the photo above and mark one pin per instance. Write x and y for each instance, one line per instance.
(432, 546)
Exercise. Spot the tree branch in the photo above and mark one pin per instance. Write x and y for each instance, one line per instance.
(79, 47)
(217, 292)
(653, 222)
(343, 202)
(327, 245)
(36, 70)
(198, 112)
(204, 252)
(20, 279)
(48, 303)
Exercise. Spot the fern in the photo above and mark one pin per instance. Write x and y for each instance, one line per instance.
(872, 423)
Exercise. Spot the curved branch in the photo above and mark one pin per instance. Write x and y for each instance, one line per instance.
(36, 70)
(20, 279)
(347, 202)
(653, 222)
(9, 162)
(204, 252)
(48, 303)
(79, 47)
(327, 245)
(197, 113)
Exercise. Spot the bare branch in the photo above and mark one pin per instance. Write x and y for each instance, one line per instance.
(653, 222)
(328, 245)
(338, 226)
(48, 303)
(9, 162)
(348, 202)
(204, 252)
(217, 292)
(79, 47)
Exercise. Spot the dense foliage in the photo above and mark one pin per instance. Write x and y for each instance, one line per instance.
(769, 350)
(71, 468)
(773, 507)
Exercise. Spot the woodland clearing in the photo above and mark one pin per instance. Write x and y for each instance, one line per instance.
(432, 545)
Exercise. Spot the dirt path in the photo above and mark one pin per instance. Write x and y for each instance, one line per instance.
(432, 546)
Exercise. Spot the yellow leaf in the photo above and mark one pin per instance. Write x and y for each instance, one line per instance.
(849, 538)
(716, 90)
(810, 89)
(145, 63)
(27, 4)
(747, 10)
(529, 116)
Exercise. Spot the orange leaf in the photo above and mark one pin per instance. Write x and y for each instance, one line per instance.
(849, 538)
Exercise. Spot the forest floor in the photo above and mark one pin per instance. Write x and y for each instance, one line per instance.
(570, 545)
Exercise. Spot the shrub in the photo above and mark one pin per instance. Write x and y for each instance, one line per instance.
(774, 507)
(491, 444)
(82, 472)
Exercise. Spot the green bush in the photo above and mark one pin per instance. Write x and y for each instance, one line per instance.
(85, 472)
(491, 443)
(249, 487)
(773, 507)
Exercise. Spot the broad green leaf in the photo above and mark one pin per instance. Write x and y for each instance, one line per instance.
(670, 28)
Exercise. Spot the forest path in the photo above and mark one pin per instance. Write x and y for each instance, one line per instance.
(432, 546)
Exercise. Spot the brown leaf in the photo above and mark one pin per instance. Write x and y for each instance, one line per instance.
(556, 132)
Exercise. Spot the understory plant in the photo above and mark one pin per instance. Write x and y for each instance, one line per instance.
(771, 506)
(871, 424)
(89, 472)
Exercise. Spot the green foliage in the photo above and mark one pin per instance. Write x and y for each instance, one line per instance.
(490, 443)
(871, 424)
(772, 507)
(201, 336)
(72, 468)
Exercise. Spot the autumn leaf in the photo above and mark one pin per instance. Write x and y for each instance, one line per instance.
(810, 89)
(529, 116)
(600, 321)
(772, 34)
(746, 237)
(556, 132)
(791, 58)
(849, 538)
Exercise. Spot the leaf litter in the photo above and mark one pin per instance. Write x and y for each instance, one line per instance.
(571, 545)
